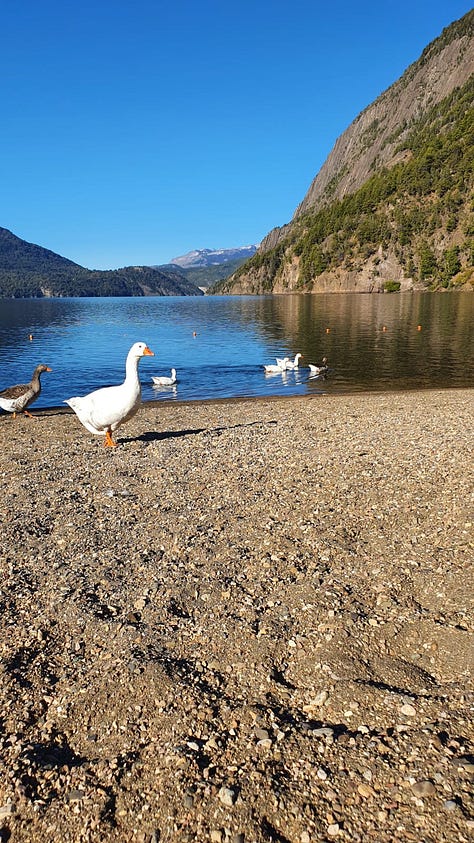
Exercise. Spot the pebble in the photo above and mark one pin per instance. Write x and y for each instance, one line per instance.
(333, 829)
(319, 699)
(450, 805)
(262, 734)
(323, 732)
(75, 795)
(408, 710)
(227, 796)
(423, 788)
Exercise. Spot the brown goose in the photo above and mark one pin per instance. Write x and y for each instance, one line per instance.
(17, 399)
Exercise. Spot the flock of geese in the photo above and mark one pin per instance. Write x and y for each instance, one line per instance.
(285, 364)
(102, 411)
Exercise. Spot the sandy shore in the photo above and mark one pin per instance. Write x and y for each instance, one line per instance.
(250, 622)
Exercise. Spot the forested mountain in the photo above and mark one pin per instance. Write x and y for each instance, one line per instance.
(392, 206)
(29, 271)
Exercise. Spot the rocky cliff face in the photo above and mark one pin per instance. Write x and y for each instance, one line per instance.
(377, 141)
(372, 139)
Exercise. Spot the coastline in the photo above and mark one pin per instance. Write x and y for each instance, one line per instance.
(252, 621)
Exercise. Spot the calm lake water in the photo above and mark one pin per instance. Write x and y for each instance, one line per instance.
(373, 342)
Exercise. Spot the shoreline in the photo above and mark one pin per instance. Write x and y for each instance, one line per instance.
(252, 621)
(176, 402)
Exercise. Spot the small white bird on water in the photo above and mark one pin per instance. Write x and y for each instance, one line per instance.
(293, 364)
(272, 369)
(104, 410)
(164, 381)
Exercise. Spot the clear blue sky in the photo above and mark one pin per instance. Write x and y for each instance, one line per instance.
(136, 130)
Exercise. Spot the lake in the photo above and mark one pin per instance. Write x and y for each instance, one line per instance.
(219, 344)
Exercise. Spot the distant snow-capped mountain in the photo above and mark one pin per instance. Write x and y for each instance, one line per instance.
(213, 257)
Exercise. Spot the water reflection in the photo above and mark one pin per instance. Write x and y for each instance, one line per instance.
(219, 345)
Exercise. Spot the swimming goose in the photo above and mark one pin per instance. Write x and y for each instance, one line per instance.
(164, 381)
(272, 369)
(293, 364)
(319, 370)
(104, 410)
(17, 399)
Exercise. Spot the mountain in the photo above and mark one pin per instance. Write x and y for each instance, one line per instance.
(213, 257)
(391, 207)
(30, 271)
(205, 276)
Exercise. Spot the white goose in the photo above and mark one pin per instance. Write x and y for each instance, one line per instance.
(104, 410)
(272, 369)
(318, 370)
(164, 381)
(293, 364)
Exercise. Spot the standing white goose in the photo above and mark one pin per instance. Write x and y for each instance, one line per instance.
(104, 410)
(17, 399)
(162, 380)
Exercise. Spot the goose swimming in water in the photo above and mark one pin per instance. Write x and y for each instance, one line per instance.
(272, 369)
(319, 370)
(164, 381)
(104, 410)
(293, 364)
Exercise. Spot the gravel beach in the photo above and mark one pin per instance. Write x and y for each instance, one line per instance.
(250, 622)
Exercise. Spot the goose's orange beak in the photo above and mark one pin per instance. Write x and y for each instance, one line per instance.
(148, 353)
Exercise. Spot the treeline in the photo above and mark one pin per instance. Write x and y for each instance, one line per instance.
(130, 281)
(29, 271)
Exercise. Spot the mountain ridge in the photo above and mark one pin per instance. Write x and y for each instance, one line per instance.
(213, 257)
(31, 271)
(382, 209)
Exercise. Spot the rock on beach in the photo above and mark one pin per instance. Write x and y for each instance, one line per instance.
(252, 621)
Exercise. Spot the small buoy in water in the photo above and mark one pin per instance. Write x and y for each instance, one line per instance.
(418, 327)
(328, 330)
(30, 337)
(194, 334)
(384, 327)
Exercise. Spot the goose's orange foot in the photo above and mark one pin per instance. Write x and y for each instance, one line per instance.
(28, 414)
(109, 442)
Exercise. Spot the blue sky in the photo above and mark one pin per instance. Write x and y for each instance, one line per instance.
(136, 131)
